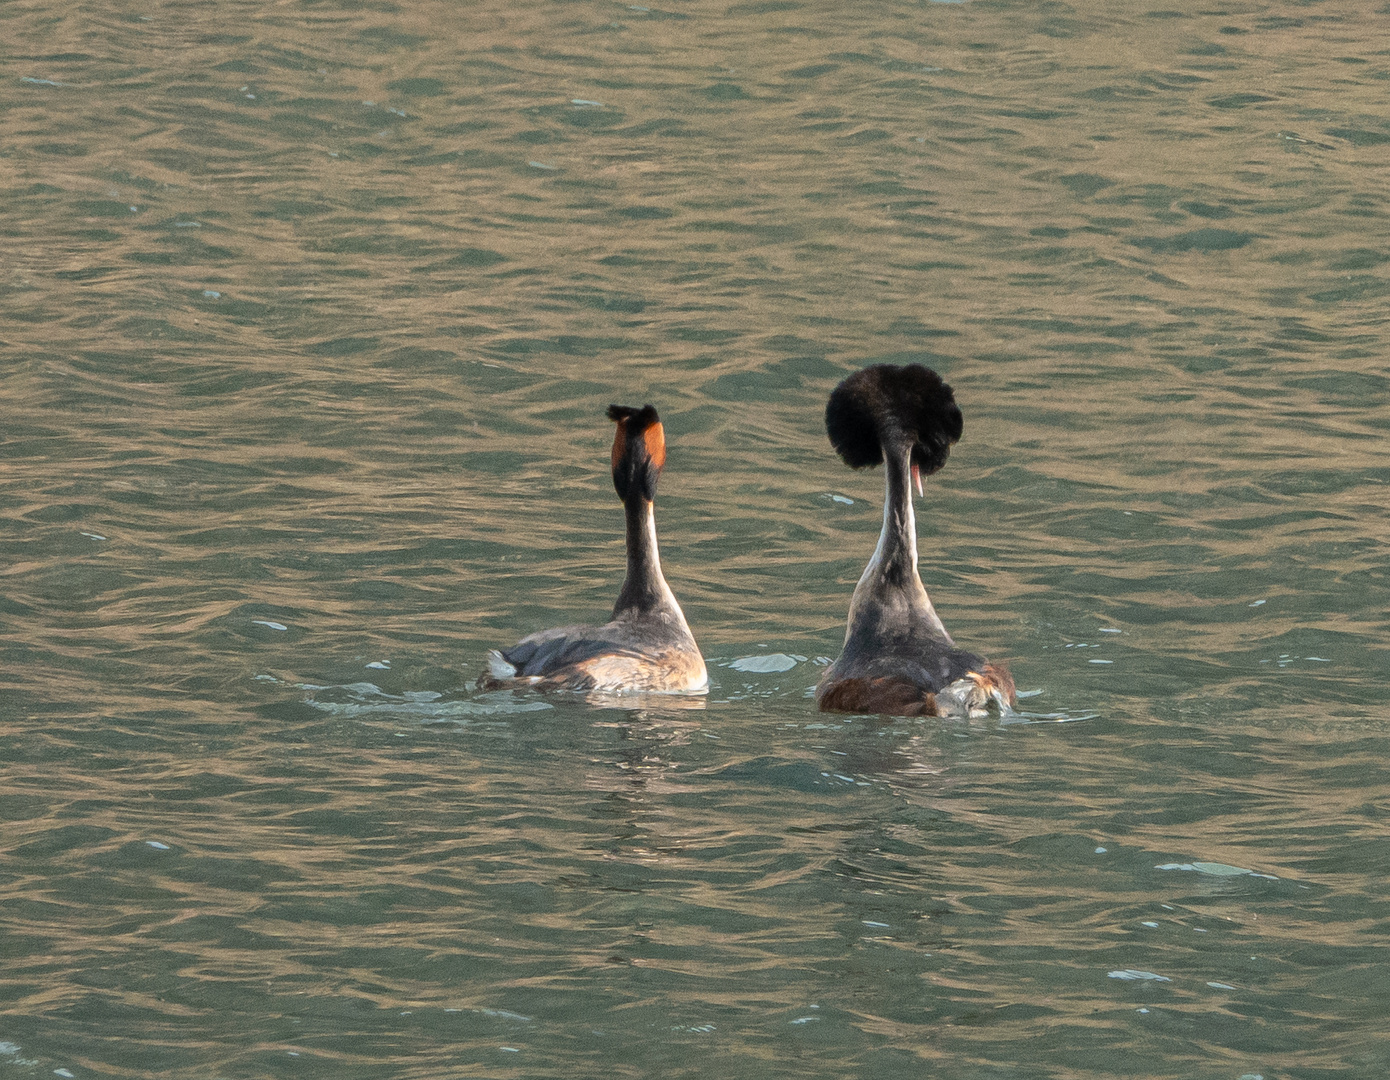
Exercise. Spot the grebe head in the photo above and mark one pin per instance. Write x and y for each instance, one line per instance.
(639, 451)
(886, 406)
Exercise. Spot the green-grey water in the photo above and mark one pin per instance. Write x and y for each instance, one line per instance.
(309, 313)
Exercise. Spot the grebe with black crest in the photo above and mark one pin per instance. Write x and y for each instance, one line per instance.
(898, 658)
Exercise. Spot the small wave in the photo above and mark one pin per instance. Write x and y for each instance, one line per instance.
(1013, 717)
(1215, 869)
(766, 664)
(1136, 975)
(426, 706)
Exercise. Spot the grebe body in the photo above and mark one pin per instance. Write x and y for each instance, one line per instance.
(898, 658)
(647, 645)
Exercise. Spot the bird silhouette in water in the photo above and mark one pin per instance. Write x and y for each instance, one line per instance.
(898, 658)
(647, 645)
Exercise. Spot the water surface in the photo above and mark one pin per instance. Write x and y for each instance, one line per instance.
(310, 315)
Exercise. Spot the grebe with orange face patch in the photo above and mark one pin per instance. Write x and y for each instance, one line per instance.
(647, 645)
(898, 658)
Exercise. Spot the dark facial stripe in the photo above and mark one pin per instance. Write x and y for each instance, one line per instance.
(620, 443)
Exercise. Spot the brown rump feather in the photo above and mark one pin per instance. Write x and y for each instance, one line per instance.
(886, 695)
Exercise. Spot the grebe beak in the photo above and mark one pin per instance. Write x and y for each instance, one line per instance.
(917, 480)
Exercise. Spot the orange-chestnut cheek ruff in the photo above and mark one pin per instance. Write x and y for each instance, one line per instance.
(655, 438)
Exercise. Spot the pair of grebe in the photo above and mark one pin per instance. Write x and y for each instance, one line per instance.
(897, 659)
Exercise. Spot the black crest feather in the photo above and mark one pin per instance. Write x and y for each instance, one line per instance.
(638, 420)
(885, 404)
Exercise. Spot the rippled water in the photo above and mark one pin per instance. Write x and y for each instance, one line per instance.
(310, 313)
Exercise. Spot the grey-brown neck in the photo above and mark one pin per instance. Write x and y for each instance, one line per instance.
(895, 558)
(890, 600)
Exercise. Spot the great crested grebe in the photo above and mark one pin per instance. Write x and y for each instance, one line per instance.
(647, 645)
(898, 658)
